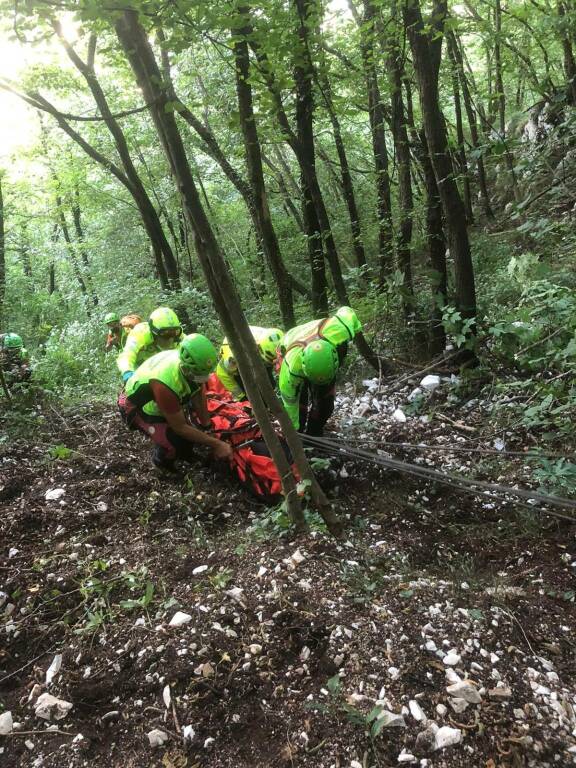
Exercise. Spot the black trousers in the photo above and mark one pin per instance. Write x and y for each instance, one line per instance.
(316, 407)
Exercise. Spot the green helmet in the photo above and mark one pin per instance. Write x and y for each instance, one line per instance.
(198, 357)
(111, 317)
(320, 361)
(269, 344)
(164, 320)
(13, 341)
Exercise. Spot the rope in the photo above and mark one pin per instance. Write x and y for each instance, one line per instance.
(457, 481)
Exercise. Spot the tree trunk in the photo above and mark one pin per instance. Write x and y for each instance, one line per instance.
(315, 254)
(152, 223)
(472, 123)
(436, 248)
(380, 151)
(72, 252)
(2, 255)
(500, 95)
(566, 15)
(241, 31)
(426, 52)
(347, 184)
(395, 64)
(80, 244)
(260, 392)
(461, 149)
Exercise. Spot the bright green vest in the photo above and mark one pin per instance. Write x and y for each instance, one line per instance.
(164, 367)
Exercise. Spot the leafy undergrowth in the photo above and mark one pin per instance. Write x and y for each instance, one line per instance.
(297, 653)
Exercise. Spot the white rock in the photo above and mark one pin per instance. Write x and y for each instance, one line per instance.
(54, 494)
(394, 672)
(447, 737)
(355, 764)
(441, 709)
(236, 594)
(294, 560)
(431, 646)
(451, 659)
(12, 552)
(261, 571)
(391, 719)
(406, 757)
(3, 598)
(465, 691)
(189, 733)
(255, 649)
(399, 415)
(48, 707)
(430, 382)
(157, 738)
(416, 711)
(29, 744)
(208, 742)
(458, 705)
(6, 723)
(166, 695)
(199, 569)
(54, 668)
(180, 618)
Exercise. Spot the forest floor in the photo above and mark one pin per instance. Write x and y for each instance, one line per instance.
(307, 652)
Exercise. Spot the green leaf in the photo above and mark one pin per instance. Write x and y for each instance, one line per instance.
(334, 684)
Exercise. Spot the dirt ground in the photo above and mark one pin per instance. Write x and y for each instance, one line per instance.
(308, 652)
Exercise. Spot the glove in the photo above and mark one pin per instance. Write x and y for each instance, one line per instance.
(126, 375)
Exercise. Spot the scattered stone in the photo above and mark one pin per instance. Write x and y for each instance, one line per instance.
(48, 707)
(295, 559)
(499, 694)
(12, 552)
(255, 649)
(391, 719)
(394, 672)
(114, 714)
(430, 382)
(157, 738)
(447, 737)
(406, 757)
(54, 494)
(426, 741)
(465, 691)
(451, 659)
(167, 697)
(416, 711)
(441, 709)
(199, 569)
(180, 618)
(54, 668)
(189, 733)
(6, 723)
(458, 705)
(399, 416)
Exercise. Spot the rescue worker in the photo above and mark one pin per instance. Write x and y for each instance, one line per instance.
(312, 354)
(267, 341)
(156, 396)
(161, 332)
(118, 329)
(14, 358)
(113, 339)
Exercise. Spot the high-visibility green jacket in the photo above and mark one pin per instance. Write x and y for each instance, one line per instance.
(163, 367)
(227, 368)
(140, 345)
(338, 330)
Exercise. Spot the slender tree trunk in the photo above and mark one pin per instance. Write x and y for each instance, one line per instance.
(391, 45)
(436, 248)
(81, 246)
(161, 247)
(263, 220)
(24, 251)
(315, 254)
(472, 123)
(261, 393)
(347, 184)
(2, 254)
(379, 149)
(289, 206)
(461, 149)
(566, 15)
(72, 255)
(500, 95)
(426, 53)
